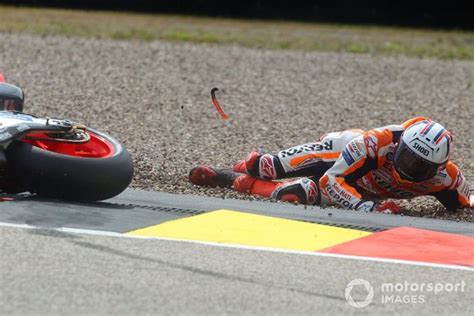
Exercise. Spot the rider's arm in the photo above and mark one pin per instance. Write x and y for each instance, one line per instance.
(337, 184)
(456, 195)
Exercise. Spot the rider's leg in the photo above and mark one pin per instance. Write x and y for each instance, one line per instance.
(254, 174)
(280, 166)
(304, 190)
(307, 160)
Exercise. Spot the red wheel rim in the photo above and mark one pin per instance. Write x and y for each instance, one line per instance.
(96, 147)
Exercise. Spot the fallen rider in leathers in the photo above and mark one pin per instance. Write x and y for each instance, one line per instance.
(355, 169)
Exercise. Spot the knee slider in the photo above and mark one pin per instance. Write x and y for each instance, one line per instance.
(267, 168)
(261, 166)
(252, 162)
(306, 190)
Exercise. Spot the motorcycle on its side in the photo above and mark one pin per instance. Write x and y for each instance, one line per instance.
(57, 158)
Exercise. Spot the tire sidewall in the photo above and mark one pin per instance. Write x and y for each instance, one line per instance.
(69, 177)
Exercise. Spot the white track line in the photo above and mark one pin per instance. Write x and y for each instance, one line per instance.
(235, 246)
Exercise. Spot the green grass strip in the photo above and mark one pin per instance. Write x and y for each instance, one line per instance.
(372, 40)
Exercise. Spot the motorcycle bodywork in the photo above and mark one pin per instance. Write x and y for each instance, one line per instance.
(15, 125)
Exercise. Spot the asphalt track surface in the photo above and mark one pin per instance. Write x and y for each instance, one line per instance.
(45, 272)
(49, 271)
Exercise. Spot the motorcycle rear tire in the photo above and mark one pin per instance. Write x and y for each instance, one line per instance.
(61, 176)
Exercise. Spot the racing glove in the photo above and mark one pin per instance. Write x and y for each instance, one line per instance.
(387, 207)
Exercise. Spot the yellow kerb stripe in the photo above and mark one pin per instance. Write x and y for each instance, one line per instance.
(231, 227)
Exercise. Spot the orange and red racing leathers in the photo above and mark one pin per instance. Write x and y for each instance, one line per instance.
(354, 169)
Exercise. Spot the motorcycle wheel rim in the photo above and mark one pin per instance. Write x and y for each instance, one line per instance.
(96, 147)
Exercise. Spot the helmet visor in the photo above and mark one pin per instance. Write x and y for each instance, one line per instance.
(411, 166)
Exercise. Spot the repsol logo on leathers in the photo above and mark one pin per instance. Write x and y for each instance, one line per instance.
(327, 145)
(338, 198)
(421, 149)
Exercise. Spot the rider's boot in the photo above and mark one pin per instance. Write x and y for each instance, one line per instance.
(209, 176)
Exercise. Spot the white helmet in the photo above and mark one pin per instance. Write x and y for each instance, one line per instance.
(423, 150)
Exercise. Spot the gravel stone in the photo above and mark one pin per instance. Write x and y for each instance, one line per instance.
(155, 98)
